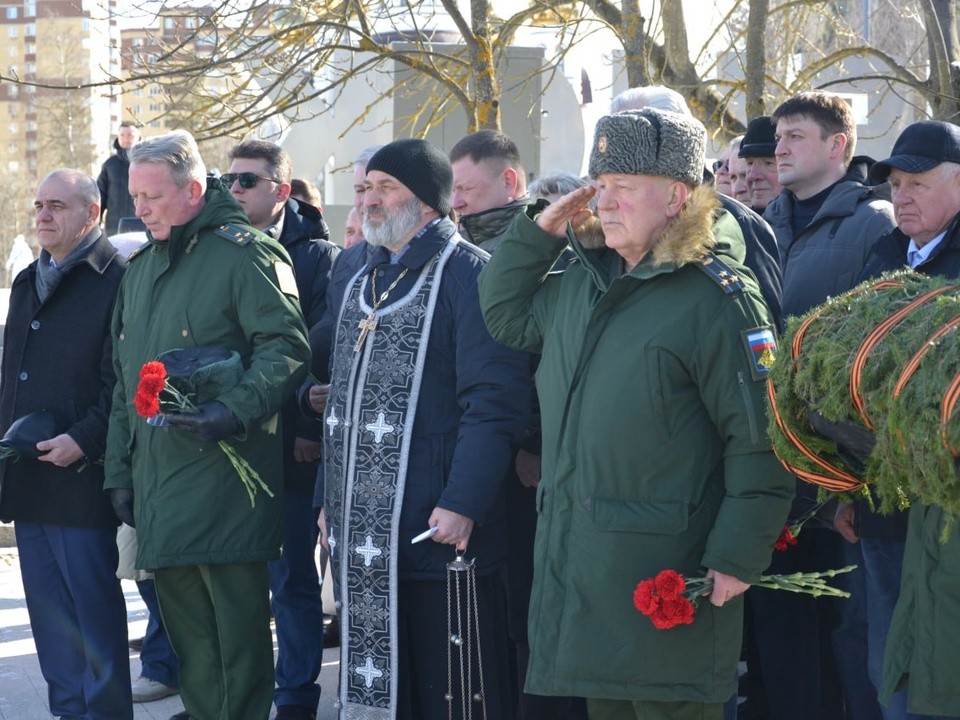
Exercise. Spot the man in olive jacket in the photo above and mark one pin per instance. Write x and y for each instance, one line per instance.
(206, 279)
(651, 382)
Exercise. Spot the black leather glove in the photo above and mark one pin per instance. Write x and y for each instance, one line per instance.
(214, 422)
(854, 441)
(122, 501)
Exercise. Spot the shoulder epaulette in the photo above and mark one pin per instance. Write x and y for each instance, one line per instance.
(721, 274)
(237, 233)
(138, 251)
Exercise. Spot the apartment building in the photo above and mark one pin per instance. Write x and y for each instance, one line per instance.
(51, 51)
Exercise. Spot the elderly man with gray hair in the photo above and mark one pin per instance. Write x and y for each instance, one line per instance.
(207, 281)
(652, 398)
(757, 246)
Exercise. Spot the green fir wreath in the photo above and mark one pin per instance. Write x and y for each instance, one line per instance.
(895, 340)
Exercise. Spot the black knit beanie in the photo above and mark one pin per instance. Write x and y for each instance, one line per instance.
(422, 167)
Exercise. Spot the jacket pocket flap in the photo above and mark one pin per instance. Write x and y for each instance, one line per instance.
(662, 518)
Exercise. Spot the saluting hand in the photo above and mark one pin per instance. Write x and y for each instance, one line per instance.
(572, 207)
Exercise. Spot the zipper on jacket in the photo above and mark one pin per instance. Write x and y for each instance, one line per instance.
(747, 401)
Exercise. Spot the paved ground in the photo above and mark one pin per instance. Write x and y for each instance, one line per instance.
(23, 692)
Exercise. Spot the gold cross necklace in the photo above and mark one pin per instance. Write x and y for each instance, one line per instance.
(369, 323)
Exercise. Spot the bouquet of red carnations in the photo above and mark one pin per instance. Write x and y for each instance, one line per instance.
(669, 599)
(157, 392)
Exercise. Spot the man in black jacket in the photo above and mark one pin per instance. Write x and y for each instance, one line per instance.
(259, 178)
(115, 200)
(924, 175)
(57, 357)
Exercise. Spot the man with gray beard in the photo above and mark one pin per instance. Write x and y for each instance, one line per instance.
(423, 409)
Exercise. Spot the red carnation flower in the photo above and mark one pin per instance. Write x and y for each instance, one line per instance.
(644, 598)
(785, 540)
(661, 621)
(153, 378)
(670, 584)
(146, 404)
(678, 611)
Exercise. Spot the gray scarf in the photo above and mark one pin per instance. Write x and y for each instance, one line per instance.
(49, 274)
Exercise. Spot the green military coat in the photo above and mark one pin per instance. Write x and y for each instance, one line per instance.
(215, 282)
(654, 455)
(922, 651)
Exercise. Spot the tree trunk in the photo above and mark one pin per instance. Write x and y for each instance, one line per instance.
(486, 88)
(634, 38)
(941, 20)
(946, 14)
(755, 70)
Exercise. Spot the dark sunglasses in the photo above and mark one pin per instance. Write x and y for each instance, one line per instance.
(720, 164)
(247, 179)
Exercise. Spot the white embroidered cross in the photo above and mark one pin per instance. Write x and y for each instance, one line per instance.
(380, 428)
(333, 420)
(332, 542)
(369, 672)
(368, 550)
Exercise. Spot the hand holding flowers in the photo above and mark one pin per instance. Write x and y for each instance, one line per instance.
(156, 393)
(669, 599)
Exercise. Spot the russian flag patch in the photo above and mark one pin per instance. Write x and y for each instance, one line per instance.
(761, 346)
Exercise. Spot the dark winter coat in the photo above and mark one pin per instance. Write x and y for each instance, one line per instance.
(217, 282)
(473, 406)
(115, 198)
(57, 357)
(305, 237)
(827, 257)
(654, 455)
(761, 254)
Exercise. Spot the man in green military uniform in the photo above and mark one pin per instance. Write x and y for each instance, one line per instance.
(651, 392)
(206, 279)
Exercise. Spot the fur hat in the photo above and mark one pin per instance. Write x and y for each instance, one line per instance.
(650, 142)
(422, 167)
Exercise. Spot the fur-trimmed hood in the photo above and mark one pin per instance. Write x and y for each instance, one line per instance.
(686, 239)
(689, 236)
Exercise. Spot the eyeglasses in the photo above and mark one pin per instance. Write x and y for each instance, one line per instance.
(720, 165)
(247, 179)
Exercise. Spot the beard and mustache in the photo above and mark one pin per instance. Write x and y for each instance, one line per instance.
(396, 227)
